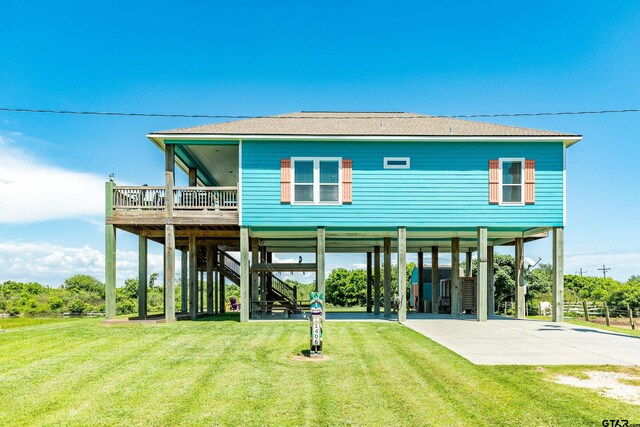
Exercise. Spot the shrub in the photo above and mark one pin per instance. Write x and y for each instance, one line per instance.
(77, 307)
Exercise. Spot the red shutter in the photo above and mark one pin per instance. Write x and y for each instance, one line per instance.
(347, 180)
(494, 182)
(529, 182)
(285, 181)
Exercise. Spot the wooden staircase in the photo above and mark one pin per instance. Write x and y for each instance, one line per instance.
(279, 293)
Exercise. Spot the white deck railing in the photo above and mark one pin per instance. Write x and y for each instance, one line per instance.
(184, 198)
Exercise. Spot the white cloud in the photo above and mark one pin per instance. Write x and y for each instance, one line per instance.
(51, 264)
(33, 191)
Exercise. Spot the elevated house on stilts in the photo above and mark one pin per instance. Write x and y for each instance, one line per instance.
(374, 183)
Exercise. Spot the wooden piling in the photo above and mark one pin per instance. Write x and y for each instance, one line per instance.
(481, 278)
(456, 286)
(376, 280)
(607, 316)
(245, 298)
(435, 280)
(402, 274)
(142, 277)
(387, 277)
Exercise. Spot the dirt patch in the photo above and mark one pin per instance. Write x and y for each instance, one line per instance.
(306, 358)
(615, 385)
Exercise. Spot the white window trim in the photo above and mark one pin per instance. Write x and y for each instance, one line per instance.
(512, 159)
(316, 180)
(388, 166)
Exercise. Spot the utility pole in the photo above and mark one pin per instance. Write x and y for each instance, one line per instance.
(604, 270)
(582, 272)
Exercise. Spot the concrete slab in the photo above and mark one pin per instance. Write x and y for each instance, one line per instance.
(508, 341)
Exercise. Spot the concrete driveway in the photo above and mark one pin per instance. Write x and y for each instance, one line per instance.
(507, 341)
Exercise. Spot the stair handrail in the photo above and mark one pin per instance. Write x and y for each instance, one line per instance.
(230, 263)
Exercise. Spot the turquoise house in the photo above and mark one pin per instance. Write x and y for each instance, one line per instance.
(383, 183)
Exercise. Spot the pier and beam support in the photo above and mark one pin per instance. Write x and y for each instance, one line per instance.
(558, 274)
(210, 263)
(320, 262)
(245, 298)
(467, 264)
(456, 286)
(169, 274)
(376, 280)
(435, 279)
(481, 290)
(419, 305)
(142, 277)
(369, 280)
(520, 285)
(193, 277)
(491, 290)
(402, 274)
(184, 282)
(255, 291)
(110, 256)
(387, 276)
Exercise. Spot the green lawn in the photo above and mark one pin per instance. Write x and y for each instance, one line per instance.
(226, 373)
(581, 322)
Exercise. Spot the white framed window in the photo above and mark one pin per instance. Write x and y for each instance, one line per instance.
(316, 180)
(511, 181)
(397, 162)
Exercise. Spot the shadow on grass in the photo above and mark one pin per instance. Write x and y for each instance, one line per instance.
(226, 317)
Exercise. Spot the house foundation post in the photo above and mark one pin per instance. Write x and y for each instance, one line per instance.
(520, 285)
(376, 280)
(369, 279)
(109, 255)
(387, 277)
(481, 278)
(558, 275)
(184, 282)
(210, 263)
(320, 265)
(169, 273)
(491, 291)
(255, 291)
(193, 277)
(435, 280)
(418, 297)
(142, 277)
(456, 286)
(467, 264)
(245, 298)
(402, 274)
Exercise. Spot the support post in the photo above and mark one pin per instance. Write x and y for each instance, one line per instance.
(222, 296)
(255, 259)
(201, 289)
(482, 278)
(142, 277)
(320, 265)
(402, 274)
(193, 177)
(467, 264)
(210, 280)
(418, 297)
(520, 286)
(435, 280)
(184, 282)
(244, 275)
(376, 280)
(109, 255)
(558, 274)
(387, 277)
(456, 286)
(169, 274)
(193, 277)
(369, 268)
(491, 291)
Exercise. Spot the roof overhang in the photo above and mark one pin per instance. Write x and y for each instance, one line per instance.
(159, 138)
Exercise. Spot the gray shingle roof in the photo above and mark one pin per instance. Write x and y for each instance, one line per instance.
(359, 124)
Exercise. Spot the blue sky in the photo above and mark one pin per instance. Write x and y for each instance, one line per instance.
(275, 57)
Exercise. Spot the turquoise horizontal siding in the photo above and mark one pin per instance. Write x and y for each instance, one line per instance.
(446, 186)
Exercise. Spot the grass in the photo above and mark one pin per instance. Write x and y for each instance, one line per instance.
(226, 373)
(20, 322)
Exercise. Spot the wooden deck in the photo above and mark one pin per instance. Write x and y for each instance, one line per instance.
(189, 206)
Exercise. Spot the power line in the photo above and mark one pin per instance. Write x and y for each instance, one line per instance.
(604, 270)
(360, 116)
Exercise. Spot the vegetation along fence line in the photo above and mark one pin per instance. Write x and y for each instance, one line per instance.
(593, 310)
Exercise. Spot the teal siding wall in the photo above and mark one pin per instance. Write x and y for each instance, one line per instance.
(446, 186)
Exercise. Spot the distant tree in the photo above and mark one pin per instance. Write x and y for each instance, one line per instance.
(86, 283)
(131, 287)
